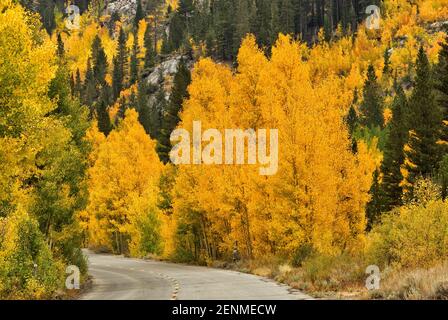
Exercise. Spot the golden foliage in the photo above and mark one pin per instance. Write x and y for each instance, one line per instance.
(414, 236)
(123, 186)
(315, 199)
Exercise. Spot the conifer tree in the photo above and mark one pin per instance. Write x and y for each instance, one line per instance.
(78, 84)
(374, 207)
(287, 16)
(242, 24)
(60, 46)
(120, 65)
(102, 112)
(142, 104)
(371, 108)
(139, 14)
(72, 85)
(352, 118)
(387, 69)
(99, 60)
(262, 22)
(275, 27)
(166, 47)
(171, 115)
(115, 16)
(177, 32)
(424, 122)
(150, 52)
(46, 9)
(441, 85)
(134, 72)
(89, 91)
(186, 10)
(153, 116)
(393, 153)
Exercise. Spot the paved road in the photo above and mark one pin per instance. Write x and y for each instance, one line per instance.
(119, 278)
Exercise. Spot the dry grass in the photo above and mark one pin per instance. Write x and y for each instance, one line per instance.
(419, 284)
(319, 276)
(343, 277)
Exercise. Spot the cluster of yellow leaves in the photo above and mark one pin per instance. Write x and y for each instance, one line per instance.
(401, 29)
(78, 44)
(123, 186)
(125, 98)
(434, 10)
(172, 3)
(317, 197)
(413, 237)
(26, 69)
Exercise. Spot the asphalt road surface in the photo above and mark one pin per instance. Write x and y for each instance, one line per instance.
(119, 278)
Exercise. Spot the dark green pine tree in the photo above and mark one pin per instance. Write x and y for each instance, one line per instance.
(166, 47)
(424, 123)
(60, 46)
(180, 26)
(186, 10)
(275, 21)
(182, 79)
(73, 114)
(155, 111)
(242, 24)
(177, 33)
(442, 176)
(134, 72)
(371, 108)
(123, 106)
(99, 60)
(78, 84)
(120, 66)
(142, 105)
(441, 85)
(102, 114)
(352, 119)
(387, 71)
(261, 24)
(46, 10)
(287, 15)
(139, 14)
(393, 153)
(150, 55)
(89, 90)
(210, 44)
(225, 29)
(72, 85)
(114, 18)
(374, 207)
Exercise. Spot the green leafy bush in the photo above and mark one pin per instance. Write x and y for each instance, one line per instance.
(27, 268)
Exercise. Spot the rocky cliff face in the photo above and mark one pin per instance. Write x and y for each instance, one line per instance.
(126, 8)
(164, 70)
(438, 26)
(160, 78)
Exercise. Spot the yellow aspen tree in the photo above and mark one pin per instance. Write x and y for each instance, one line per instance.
(123, 187)
(318, 196)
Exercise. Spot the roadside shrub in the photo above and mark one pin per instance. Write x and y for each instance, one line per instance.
(415, 236)
(21, 247)
(333, 272)
(68, 244)
(301, 254)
